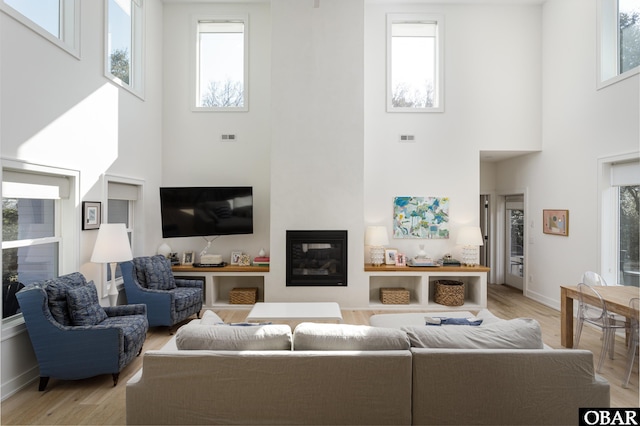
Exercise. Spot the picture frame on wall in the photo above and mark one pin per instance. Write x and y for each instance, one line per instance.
(390, 256)
(91, 215)
(555, 222)
(188, 258)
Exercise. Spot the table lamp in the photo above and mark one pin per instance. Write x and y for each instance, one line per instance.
(376, 238)
(470, 238)
(112, 246)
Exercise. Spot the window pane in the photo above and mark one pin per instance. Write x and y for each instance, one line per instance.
(119, 43)
(22, 266)
(221, 64)
(413, 65)
(118, 212)
(45, 13)
(629, 18)
(629, 235)
(24, 218)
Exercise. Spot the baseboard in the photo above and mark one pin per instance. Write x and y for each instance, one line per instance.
(18, 383)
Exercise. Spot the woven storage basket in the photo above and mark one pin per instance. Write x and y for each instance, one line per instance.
(243, 296)
(449, 292)
(394, 296)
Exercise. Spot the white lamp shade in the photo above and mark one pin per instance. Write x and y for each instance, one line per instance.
(376, 236)
(470, 236)
(112, 244)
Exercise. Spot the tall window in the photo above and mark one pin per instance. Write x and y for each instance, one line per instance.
(414, 63)
(221, 64)
(35, 210)
(56, 20)
(124, 44)
(619, 40)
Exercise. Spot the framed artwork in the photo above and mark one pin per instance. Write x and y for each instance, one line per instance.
(555, 222)
(91, 215)
(421, 217)
(188, 257)
(390, 256)
(244, 260)
(401, 259)
(236, 255)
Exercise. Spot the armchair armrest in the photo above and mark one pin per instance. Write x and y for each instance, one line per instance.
(123, 310)
(182, 282)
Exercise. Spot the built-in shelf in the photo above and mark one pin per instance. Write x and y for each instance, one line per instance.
(420, 281)
(219, 281)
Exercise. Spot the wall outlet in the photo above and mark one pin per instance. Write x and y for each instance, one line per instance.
(228, 137)
(407, 138)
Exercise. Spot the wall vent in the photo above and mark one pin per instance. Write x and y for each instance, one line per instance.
(228, 137)
(407, 138)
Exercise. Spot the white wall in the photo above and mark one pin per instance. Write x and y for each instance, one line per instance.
(492, 102)
(62, 112)
(580, 125)
(193, 152)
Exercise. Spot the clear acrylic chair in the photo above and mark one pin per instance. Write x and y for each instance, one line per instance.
(634, 337)
(592, 309)
(593, 278)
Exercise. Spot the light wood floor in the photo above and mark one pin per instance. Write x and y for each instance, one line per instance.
(95, 401)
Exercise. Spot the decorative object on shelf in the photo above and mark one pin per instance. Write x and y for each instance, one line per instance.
(261, 260)
(188, 258)
(470, 238)
(448, 260)
(262, 253)
(421, 217)
(91, 215)
(394, 296)
(235, 257)
(390, 256)
(555, 222)
(376, 238)
(423, 262)
(421, 253)
(245, 260)
(449, 292)
(243, 296)
(164, 249)
(401, 259)
(112, 246)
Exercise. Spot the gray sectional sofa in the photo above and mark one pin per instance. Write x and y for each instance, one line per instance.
(212, 373)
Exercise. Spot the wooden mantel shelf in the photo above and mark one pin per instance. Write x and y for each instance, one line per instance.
(368, 267)
(226, 268)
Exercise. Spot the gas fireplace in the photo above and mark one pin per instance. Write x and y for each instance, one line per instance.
(316, 258)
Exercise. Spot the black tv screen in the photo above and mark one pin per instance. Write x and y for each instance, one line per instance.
(206, 211)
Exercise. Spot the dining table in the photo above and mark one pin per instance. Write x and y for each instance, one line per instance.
(616, 298)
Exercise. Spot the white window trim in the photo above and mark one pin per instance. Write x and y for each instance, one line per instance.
(439, 86)
(136, 84)
(69, 40)
(195, 62)
(608, 216)
(607, 46)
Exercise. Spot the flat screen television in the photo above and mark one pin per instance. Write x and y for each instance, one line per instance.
(206, 211)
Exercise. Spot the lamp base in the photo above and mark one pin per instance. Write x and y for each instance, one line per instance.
(113, 290)
(377, 255)
(470, 256)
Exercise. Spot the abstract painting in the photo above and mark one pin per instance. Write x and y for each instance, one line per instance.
(555, 222)
(421, 217)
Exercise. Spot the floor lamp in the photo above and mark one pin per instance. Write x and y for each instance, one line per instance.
(112, 246)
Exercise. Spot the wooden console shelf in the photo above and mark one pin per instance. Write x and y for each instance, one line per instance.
(420, 281)
(220, 280)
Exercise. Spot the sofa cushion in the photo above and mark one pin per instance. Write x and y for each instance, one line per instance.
(57, 295)
(221, 337)
(154, 272)
(339, 337)
(210, 318)
(186, 297)
(520, 333)
(84, 307)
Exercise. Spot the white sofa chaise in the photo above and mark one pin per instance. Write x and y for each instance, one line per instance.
(350, 382)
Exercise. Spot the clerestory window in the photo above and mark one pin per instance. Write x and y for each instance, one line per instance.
(619, 40)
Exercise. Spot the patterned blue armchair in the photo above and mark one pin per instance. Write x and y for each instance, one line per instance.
(149, 280)
(73, 336)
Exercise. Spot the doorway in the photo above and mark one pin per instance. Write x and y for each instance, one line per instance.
(514, 259)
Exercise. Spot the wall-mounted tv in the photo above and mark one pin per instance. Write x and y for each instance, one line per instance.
(206, 211)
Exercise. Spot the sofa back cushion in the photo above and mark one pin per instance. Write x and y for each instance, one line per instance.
(154, 272)
(519, 333)
(234, 338)
(84, 307)
(344, 337)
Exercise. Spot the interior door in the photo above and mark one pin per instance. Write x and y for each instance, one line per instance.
(514, 244)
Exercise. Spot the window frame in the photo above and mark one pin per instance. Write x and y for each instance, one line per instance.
(195, 61)
(608, 46)
(69, 21)
(439, 20)
(136, 84)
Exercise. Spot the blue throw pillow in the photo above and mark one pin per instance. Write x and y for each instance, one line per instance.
(159, 275)
(84, 308)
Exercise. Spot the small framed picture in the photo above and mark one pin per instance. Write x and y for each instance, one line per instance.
(187, 258)
(390, 256)
(245, 260)
(235, 257)
(555, 222)
(401, 259)
(91, 213)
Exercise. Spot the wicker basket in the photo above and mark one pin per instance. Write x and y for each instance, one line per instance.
(449, 292)
(394, 296)
(243, 296)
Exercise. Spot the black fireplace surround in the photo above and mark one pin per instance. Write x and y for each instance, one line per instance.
(317, 258)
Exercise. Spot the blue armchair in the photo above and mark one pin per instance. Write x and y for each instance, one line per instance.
(73, 336)
(149, 280)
